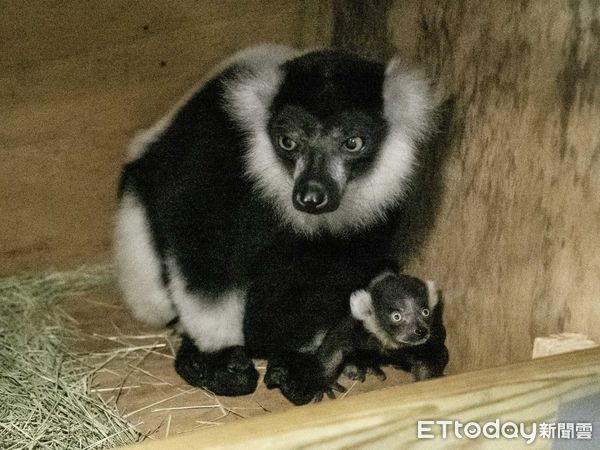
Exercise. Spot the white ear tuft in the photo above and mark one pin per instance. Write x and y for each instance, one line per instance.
(361, 304)
(432, 294)
(408, 101)
(249, 93)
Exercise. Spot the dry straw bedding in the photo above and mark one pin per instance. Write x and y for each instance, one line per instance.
(45, 399)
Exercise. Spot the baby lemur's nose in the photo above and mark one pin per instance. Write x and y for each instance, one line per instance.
(420, 331)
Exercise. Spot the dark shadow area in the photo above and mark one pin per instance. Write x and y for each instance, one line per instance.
(418, 216)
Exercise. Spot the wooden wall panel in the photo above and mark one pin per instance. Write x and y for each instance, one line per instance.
(516, 246)
(78, 78)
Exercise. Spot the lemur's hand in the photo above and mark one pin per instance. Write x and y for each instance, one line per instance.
(301, 378)
(335, 386)
(358, 370)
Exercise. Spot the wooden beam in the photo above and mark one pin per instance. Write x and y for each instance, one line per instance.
(528, 392)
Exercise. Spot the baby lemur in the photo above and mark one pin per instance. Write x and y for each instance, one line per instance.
(396, 320)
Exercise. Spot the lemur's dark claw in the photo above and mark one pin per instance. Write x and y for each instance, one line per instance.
(338, 387)
(318, 397)
(330, 393)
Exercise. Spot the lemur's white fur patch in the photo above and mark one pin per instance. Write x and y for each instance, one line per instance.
(361, 308)
(213, 323)
(433, 296)
(408, 108)
(139, 269)
(361, 304)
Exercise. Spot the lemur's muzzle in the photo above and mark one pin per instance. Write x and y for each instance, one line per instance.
(316, 189)
(311, 198)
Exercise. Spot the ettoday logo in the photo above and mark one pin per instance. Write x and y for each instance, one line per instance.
(430, 429)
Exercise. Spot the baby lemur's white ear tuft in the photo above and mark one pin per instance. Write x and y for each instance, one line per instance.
(432, 294)
(361, 304)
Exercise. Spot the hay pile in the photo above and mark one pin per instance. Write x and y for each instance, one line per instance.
(45, 399)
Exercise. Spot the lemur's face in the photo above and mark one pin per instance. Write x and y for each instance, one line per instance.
(396, 309)
(402, 310)
(327, 127)
(322, 157)
(332, 138)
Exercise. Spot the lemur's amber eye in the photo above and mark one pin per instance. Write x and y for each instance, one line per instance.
(353, 144)
(425, 312)
(286, 143)
(396, 316)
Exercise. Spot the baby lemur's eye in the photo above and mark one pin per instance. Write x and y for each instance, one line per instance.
(425, 312)
(396, 316)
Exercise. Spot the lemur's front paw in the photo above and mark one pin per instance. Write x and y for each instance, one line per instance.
(300, 379)
(330, 391)
(359, 371)
(276, 374)
(227, 372)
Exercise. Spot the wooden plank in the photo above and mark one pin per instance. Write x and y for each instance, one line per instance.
(526, 392)
(560, 343)
(78, 79)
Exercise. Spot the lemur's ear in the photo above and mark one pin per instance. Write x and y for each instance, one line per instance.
(433, 296)
(361, 304)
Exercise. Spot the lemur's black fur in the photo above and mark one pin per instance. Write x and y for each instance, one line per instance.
(283, 170)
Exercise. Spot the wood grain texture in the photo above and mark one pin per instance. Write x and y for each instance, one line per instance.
(516, 245)
(78, 79)
(360, 26)
(527, 392)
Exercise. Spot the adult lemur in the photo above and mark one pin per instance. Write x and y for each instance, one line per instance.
(282, 164)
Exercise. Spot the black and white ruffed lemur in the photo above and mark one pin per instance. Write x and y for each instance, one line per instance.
(280, 162)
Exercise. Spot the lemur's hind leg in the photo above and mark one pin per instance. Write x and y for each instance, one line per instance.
(212, 353)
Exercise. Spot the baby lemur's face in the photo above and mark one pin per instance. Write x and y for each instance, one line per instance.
(396, 309)
(401, 306)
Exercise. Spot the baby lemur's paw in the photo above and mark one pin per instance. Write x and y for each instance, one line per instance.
(329, 391)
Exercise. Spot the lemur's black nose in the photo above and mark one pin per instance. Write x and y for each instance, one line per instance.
(313, 197)
(420, 331)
